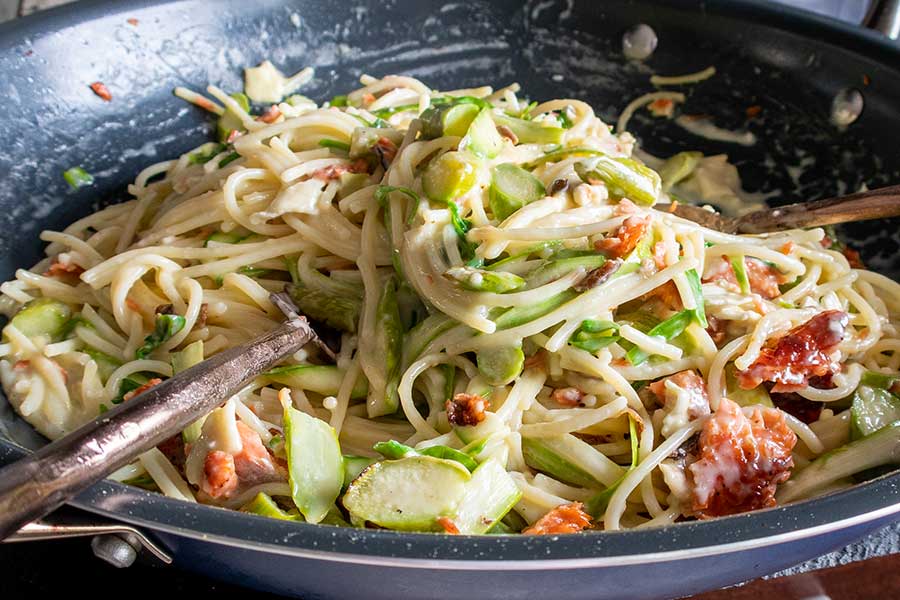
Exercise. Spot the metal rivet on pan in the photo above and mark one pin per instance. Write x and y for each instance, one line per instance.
(115, 550)
(846, 107)
(639, 42)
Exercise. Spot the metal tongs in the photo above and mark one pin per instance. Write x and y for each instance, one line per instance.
(42, 482)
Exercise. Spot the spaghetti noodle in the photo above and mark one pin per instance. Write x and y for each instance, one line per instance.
(519, 327)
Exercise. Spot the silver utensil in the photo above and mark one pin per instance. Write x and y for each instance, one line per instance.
(41, 482)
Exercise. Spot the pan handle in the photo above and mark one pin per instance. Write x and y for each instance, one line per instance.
(884, 16)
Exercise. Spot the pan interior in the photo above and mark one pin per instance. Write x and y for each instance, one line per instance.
(554, 48)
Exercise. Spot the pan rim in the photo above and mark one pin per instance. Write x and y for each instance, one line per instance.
(883, 495)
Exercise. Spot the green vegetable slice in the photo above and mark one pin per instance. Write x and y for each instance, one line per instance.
(596, 505)
(481, 280)
(482, 139)
(315, 463)
(489, 495)
(395, 450)
(530, 132)
(42, 317)
(555, 268)
(513, 187)
(448, 177)
(383, 398)
(678, 167)
(500, 365)
(740, 273)
(552, 456)
(354, 465)
(455, 120)
(668, 329)
(321, 379)
(697, 290)
(625, 178)
(873, 408)
(874, 450)
(409, 494)
(264, 506)
(229, 121)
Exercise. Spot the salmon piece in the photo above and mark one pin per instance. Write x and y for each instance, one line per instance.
(667, 293)
(763, 278)
(625, 207)
(448, 525)
(101, 90)
(659, 255)
(599, 275)
(465, 409)
(253, 463)
(57, 269)
(270, 116)
(136, 392)
(741, 462)
(716, 329)
(803, 352)
(219, 476)
(661, 107)
(565, 518)
(385, 149)
(625, 239)
(225, 474)
(691, 383)
(333, 172)
(568, 396)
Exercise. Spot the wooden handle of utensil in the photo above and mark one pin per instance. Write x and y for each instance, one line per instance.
(41, 482)
(861, 206)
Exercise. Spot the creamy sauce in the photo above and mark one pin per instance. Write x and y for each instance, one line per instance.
(705, 128)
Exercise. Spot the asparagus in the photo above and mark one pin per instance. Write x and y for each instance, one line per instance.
(409, 494)
(315, 463)
(512, 188)
(530, 132)
(625, 177)
(678, 167)
(874, 450)
(448, 177)
(452, 119)
(321, 379)
(481, 280)
(384, 376)
(500, 365)
(43, 317)
(336, 303)
(482, 138)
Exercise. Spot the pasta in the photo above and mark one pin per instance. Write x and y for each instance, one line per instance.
(525, 343)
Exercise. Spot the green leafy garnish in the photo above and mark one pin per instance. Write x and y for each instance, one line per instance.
(697, 289)
(668, 329)
(166, 327)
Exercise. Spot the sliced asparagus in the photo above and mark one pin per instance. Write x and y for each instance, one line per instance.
(874, 450)
(409, 494)
(315, 463)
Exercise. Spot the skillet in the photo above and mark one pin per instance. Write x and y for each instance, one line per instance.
(789, 63)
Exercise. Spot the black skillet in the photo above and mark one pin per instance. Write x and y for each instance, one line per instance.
(789, 63)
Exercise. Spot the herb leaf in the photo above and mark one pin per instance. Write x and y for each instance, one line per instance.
(166, 327)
